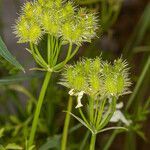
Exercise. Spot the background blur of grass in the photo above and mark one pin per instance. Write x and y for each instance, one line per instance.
(128, 36)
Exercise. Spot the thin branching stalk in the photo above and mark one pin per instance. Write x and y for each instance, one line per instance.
(48, 49)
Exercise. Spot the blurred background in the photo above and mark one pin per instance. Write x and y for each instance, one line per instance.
(124, 31)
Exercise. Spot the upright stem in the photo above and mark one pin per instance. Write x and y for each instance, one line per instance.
(139, 83)
(93, 140)
(38, 107)
(66, 125)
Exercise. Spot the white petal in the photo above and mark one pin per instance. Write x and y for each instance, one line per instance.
(118, 115)
(119, 105)
(71, 92)
(80, 95)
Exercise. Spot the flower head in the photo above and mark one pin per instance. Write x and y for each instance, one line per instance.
(57, 18)
(97, 78)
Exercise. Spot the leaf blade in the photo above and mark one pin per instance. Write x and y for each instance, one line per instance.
(8, 56)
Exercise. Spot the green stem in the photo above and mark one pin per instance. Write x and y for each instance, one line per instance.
(84, 141)
(74, 52)
(107, 116)
(110, 140)
(93, 140)
(38, 107)
(57, 51)
(68, 54)
(83, 117)
(115, 15)
(104, 10)
(96, 112)
(60, 65)
(130, 141)
(101, 110)
(66, 125)
(139, 83)
(36, 58)
(52, 44)
(48, 48)
(39, 55)
(91, 110)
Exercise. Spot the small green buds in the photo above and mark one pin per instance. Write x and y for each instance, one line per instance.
(28, 31)
(98, 78)
(116, 78)
(56, 18)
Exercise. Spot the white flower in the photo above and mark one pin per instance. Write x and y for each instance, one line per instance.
(119, 116)
(79, 95)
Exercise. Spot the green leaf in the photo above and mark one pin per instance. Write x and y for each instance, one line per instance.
(14, 119)
(32, 147)
(141, 49)
(1, 132)
(19, 78)
(53, 142)
(74, 128)
(14, 146)
(2, 148)
(112, 128)
(8, 56)
(142, 135)
(80, 120)
(84, 141)
(139, 33)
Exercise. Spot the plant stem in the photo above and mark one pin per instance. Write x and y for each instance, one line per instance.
(110, 140)
(48, 49)
(100, 112)
(93, 140)
(140, 81)
(38, 107)
(109, 113)
(91, 106)
(36, 58)
(84, 141)
(66, 125)
(83, 117)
